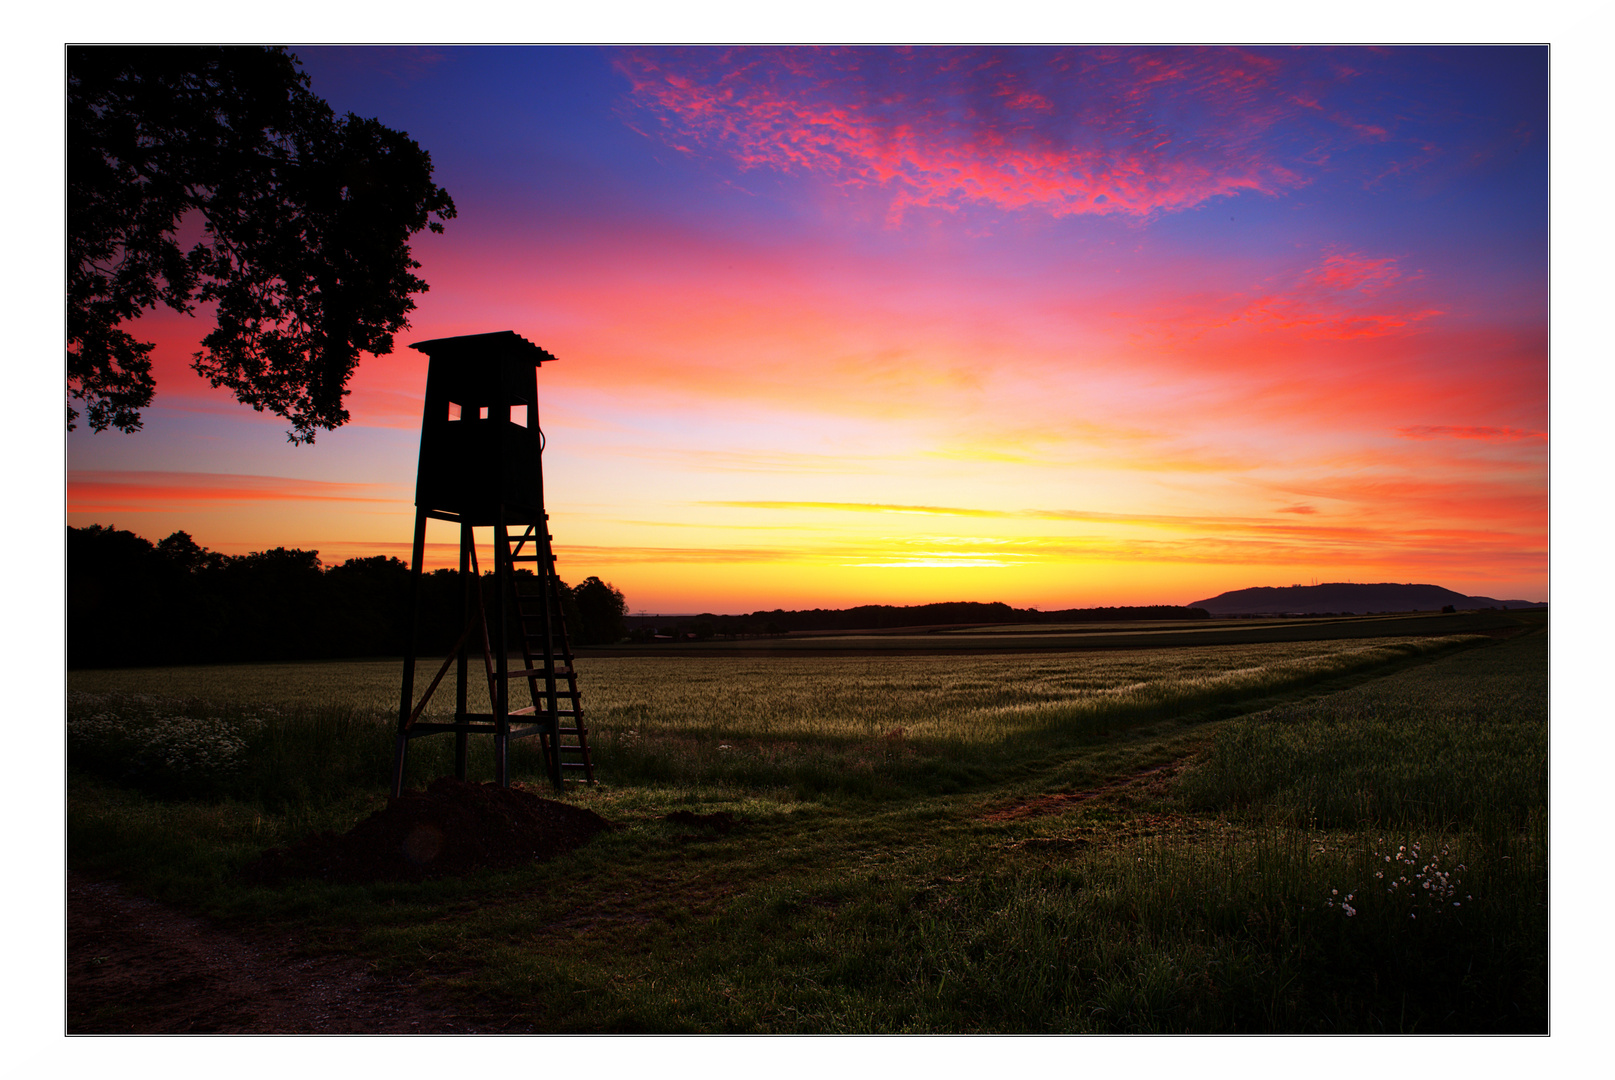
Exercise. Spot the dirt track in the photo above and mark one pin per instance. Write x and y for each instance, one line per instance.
(136, 966)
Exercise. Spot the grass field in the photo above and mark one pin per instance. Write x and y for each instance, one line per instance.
(1207, 838)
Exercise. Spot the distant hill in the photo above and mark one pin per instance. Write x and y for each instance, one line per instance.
(1343, 597)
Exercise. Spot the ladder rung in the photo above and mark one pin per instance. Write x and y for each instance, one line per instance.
(527, 710)
(543, 729)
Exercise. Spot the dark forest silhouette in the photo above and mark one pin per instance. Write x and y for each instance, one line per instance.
(131, 602)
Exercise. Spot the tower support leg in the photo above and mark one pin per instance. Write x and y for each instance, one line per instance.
(501, 709)
(468, 606)
(417, 552)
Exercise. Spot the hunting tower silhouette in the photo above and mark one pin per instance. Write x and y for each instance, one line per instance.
(481, 466)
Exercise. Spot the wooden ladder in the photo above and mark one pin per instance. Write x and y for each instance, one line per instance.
(552, 677)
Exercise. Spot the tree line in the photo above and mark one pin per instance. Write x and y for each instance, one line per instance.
(644, 628)
(131, 602)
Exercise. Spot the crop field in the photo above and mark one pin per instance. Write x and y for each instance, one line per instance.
(1061, 637)
(1344, 834)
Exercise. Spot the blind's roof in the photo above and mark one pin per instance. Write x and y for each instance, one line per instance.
(503, 342)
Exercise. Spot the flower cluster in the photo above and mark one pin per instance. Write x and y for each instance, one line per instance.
(146, 738)
(1418, 880)
(1345, 905)
(1412, 879)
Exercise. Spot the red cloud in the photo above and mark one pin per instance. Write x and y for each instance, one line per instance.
(1065, 132)
(1489, 434)
(1343, 296)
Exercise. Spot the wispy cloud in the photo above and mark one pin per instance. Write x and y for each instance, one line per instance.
(1447, 549)
(1342, 296)
(749, 461)
(612, 554)
(861, 508)
(117, 491)
(1354, 531)
(1486, 434)
(1090, 131)
(1345, 295)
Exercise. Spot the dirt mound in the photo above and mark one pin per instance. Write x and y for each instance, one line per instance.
(450, 829)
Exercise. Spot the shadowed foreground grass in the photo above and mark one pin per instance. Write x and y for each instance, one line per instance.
(879, 881)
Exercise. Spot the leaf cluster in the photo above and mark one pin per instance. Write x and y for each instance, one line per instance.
(214, 176)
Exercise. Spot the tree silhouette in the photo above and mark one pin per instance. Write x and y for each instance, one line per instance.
(301, 223)
(600, 611)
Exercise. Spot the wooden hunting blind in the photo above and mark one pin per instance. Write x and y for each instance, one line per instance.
(481, 465)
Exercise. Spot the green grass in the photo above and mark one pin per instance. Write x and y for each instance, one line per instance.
(876, 885)
(1461, 745)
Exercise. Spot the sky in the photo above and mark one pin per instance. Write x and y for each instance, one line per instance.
(1056, 327)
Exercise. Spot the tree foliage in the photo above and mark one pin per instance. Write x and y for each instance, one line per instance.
(600, 612)
(215, 176)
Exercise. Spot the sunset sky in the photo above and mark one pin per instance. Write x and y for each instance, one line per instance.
(1053, 327)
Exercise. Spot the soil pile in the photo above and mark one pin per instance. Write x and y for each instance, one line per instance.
(450, 829)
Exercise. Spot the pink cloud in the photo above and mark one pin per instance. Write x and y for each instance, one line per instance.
(1342, 296)
(1092, 132)
(1352, 271)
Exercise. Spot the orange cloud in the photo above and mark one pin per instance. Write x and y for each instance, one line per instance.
(1359, 532)
(863, 508)
(116, 491)
(1447, 550)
